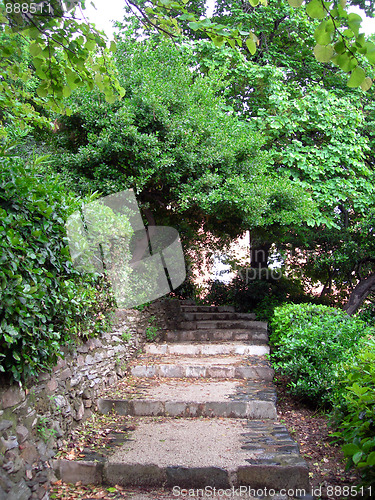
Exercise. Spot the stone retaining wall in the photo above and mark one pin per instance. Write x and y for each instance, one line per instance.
(34, 420)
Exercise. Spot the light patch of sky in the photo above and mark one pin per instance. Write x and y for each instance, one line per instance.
(108, 11)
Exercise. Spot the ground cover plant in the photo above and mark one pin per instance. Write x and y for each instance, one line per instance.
(310, 344)
(354, 413)
(328, 359)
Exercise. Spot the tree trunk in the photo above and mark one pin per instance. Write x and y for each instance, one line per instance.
(359, 294)
(259, 251)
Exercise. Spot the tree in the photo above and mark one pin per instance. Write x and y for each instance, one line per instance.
(58, 54)
(318, 132)
(338, 36)
(66, 54)
(193, 165)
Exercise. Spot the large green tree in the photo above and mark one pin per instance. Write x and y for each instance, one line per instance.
(192, 164)
(67, 53)
(338, 36)
(318, 132)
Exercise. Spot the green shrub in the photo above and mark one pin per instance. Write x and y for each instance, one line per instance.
(260, 295)
(354, 414)
(310, 344)
(367, 313)
(152, 330)
(45, 302)
(219, 293)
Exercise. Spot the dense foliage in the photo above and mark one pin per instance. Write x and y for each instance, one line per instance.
(338, 36)
(317, 132)
(193, 164)
(43, 58)
(355, 411)
(311, 342)
(45, 302)
(258, 294)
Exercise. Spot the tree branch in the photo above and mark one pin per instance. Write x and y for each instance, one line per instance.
(359, 294)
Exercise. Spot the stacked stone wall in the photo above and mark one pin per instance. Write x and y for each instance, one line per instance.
(36, 418)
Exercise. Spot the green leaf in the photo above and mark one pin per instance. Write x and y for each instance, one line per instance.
(42, 90)
(357, 77)
(371, 459)
(315, 9)
(346, 62)
(350, 449)
(113, 46)
(340, 47)
(295, 3)
(35, 49)
(360, 40)
(366, 84)
(370, 54)
(322, 36)
(354, 22)
(357, 457)
(349, 33)
(67, 91)
(110, 98)
(358, 390)
(218, 41)
(323, 53)
(250, 44)
(194, 26)
(90, 45)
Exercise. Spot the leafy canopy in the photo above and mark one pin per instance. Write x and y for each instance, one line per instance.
(173, 141)
(58, 54)
(66, 53)
(338, 36)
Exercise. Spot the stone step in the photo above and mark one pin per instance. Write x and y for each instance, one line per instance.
(216, 316)
(212, 349)
(198, 309)
(256, 367)
(253, 336)
(223, 324)
(194, 398)
(196, 453)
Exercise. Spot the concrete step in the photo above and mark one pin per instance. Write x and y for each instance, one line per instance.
(189, 308)
(193, 398)
(196, 453)
(255, 367)
(212, 349)
(216, 316)
(253, 336)
(223, 324)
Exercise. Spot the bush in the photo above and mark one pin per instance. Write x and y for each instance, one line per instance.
(367, 313)
(354, 414)
(45, 302)
(219, 293)
(260, 295)
(310, 344)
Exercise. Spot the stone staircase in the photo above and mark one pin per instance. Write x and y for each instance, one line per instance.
(204, 414)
